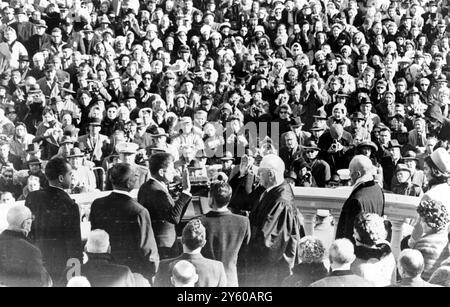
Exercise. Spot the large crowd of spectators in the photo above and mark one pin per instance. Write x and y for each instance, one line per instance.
(102, 83)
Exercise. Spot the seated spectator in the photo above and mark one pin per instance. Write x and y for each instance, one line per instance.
(410, 268)
(374, 259)
(211, 273)
(33, 184)
(432, 241)
(403, 185)
(21, 263)
(341, 258)
(311, 268)
(184, 274)
(100, 268)
(78, 282)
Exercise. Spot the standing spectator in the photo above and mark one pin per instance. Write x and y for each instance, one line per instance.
(128, 224)
(100, 269)
(374, 259)
(341, 258)
(312, 267)
(410, 267)
(211, 273)
(226, 233)
(366, 196)
(21, 263)
(56, 230)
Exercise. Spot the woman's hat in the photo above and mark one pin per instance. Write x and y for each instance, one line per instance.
(409, 155)
(441, 158)
(311, 145)
(402, 167)
(369, 144)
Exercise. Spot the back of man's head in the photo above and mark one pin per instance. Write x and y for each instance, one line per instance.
(410, 263)
(98, 242)
(220, 193)
(342, 252)
(184, 274)
(56, 167)
(16, 215)
(194, 235)
(159, 160)
(78, 282)
(360, 165)
(122, 176)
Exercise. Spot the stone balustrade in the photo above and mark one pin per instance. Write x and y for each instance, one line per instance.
(307, 200)
(398, 208)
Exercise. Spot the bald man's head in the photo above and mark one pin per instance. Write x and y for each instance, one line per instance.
(360, 166)
(410, 263)
(19, 217)
(184, 274)
(98, 242)
(271, 171)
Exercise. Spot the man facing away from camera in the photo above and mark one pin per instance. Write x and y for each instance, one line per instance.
(56, 229)
(226, 233)
(275, 227)
(211, 273)
(127, 222)
(366, 196)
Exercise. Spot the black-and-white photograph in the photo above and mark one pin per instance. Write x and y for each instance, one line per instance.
(231, 144)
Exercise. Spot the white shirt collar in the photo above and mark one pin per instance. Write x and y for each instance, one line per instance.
(122, 192)
(362, 180)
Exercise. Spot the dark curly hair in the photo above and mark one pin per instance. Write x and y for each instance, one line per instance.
(434, 214)
(370, 228)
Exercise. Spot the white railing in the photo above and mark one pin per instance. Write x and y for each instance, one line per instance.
(398, 208)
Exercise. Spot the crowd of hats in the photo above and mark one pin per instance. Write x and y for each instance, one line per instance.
(263, 45)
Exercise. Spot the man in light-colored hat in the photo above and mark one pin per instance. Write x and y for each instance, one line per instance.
(127, 154)
(83, 178)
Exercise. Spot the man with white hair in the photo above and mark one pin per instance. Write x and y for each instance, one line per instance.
(184, 274)
(21, 263)
(100, 269)
(342, 255)
(275, 226)
(367, 196)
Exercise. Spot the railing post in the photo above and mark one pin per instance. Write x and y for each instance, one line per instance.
(308, 218)
(397, 235)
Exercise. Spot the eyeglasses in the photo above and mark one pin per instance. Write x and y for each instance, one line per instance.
(424, 84)
(283, 112)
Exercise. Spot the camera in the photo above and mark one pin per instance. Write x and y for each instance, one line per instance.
(335, 146)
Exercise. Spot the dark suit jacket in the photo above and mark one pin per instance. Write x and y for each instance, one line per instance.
(211, 273)
(101, 271)
(130, 229)
(342, 279)
(21, 262)
(24, 30)
(14, 160)
(226, 233)
(35, 44)
(164, 211)
(367, 197)
(288, 156)
(56, 228)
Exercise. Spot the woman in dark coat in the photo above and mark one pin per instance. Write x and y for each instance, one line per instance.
(312, 268)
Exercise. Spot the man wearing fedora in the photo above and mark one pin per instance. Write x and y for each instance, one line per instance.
(389, 163)
(39, 39)
(127, 154)
(290, 150)
(94, 143)
(403, 184)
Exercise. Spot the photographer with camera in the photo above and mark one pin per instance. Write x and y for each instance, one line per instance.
(334, 143)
